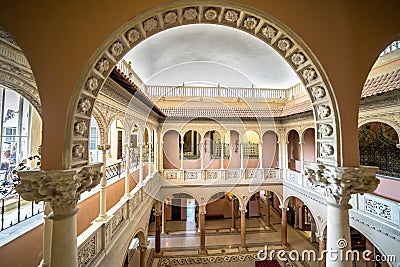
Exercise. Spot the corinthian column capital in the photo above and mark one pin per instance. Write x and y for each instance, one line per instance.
(60, 188)
(340, 182)
(103, 147)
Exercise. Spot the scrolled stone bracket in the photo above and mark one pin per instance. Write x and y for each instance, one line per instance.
(60, 188)
(340, 183)
(103, 147)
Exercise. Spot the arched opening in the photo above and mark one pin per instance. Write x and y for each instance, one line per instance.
(191, 149)
(270, 150)
(251, 151)
(293, 151)
(308, 146)
(213, 142)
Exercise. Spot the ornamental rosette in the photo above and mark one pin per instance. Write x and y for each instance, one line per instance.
(250, 23)
(190, 13)
(231, 16)
(150, 24)
(298, 58)
(116, 49)
(92, 84)
(103, 65)
(211, 14)
(133, 35)
(170, 17)
(269, 32)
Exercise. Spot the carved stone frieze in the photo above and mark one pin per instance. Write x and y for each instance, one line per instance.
(340, 182)
(61, 188)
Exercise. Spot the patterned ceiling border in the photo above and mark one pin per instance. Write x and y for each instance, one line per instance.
(260, 25)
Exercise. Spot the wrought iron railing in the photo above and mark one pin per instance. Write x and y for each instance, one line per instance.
(114, 170)
(14, 209)
(250, 151)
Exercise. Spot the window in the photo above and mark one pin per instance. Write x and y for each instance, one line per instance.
(15, 127)
(95, 154)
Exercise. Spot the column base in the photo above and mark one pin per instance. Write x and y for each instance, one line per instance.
(243, 250)
(102, 218)
(203, 252)
(126, 196)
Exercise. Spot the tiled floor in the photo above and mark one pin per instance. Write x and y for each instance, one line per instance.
(180, 247)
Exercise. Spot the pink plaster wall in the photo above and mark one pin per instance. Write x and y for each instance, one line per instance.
(388, 188)
(171, 150)
(293, 149)
(234, 162)
(309, 145)
(270, 149)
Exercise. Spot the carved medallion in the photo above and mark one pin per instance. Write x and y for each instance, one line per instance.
(309, 74)
(84, 105)
(150, 24)
(318, 92)
(80, 127)
(103, 65)
(116, 49)
(231, 15)
(211, 14)
(284, 45)
(170, 17)
(250, 23)
(269, 32)
(78, 151)
(298, 59)
(92, 84)
(190, 13)
(133, 35)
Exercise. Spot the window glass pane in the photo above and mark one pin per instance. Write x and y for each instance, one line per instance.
(11, 114)
(94, 141)
(25, 124)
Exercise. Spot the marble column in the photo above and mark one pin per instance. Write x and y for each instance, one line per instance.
(241, 156)
(339, 183)
(140, 164)
(243, 246)
(369, 246)
(301, 144)
(163, 218)
(222, 153)
(103, 183)
(128, 150)
(296, 217)
(202, 227)
(202, 153)
(61, 188)
(260, 154)
(47, 233)
(267, 210)
(149, 145)
(157, 214)
(161, 156)
(143, 250)
(322, 248)
(182, 142)
(233, 227)
(284, 226)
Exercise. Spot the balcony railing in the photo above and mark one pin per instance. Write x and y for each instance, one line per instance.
(194, 91)
(196, 176)
(114, 170)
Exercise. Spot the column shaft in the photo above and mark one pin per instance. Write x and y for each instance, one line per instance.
(338, 234)
(149, 159)
(322, 248)
(243, 246)
(182, 155)
(260, 155)
(103, 184)
(222, 155)
(63, 248)
(140, 164)
(241, 156)
(127, 170)
(284, 227)
(143, 256)
(267, 212)
(47, 236)
(202, 226)
(233, 228)
(158, 233)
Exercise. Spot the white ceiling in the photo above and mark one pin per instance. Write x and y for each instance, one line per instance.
(205, 54)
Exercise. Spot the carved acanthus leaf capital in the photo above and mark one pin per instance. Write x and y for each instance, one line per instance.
(103, 147)
(340, 182)
(60, 188)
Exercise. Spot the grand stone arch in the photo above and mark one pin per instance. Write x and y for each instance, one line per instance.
(244, 18)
